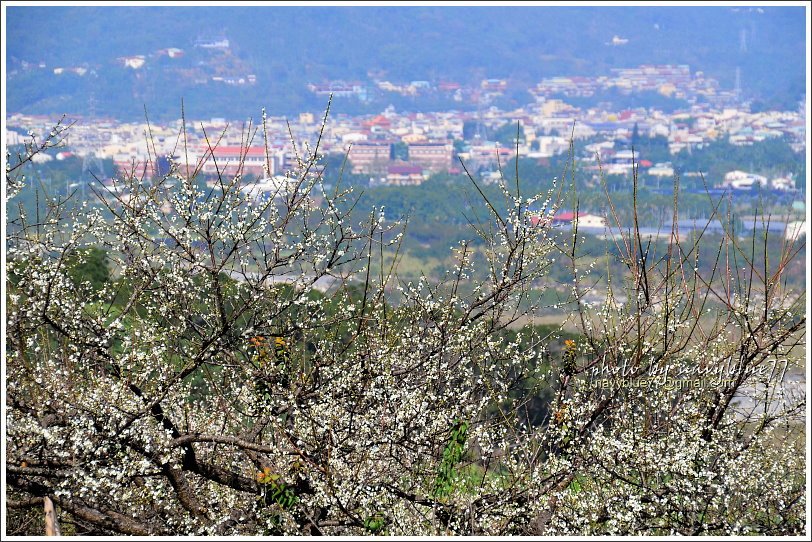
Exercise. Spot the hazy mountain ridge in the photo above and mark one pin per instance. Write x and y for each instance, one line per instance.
(288, 47)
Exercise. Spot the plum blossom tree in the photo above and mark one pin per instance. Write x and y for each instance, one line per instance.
(209, 389)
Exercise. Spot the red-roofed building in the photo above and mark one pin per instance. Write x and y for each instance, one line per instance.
(585, 220)
(404, 175)
(539, 221)
(565, 218)
(378, 121)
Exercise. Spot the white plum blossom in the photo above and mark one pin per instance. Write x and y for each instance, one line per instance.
(209, 388)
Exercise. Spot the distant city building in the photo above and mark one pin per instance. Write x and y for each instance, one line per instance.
(782, 183)
(339, 89)
(212, 43)
(432, 156)
(493, 85)
(171, 52)
(566, 218)
(796, 230)
(739, 180)
(230, 160)
(370, 156)
(551, 145)
(404, 175)
(134, 62)
(276, 187)
(80, 71)
(661, 170)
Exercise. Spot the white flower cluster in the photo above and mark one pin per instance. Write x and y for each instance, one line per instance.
(206, 388)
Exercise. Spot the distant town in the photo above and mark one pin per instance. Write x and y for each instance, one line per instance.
(406, 148)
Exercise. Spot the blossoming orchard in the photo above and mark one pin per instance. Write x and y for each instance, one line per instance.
(205, 386)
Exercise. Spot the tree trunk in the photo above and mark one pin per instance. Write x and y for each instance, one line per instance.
(51, 525)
